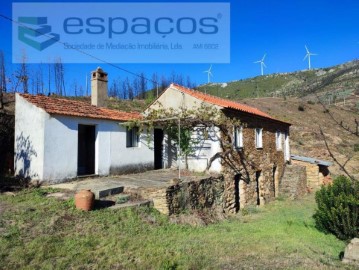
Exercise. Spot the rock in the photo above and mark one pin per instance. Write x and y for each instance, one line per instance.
(9, 193)
(351, 253)
(175, 181)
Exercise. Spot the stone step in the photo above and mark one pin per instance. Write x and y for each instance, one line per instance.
(101, 193)
(131, 204)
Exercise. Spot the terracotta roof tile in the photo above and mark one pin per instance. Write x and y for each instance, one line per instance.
(225, 103)
(68, 107)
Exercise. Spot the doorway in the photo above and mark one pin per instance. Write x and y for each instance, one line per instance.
(86, 150)
(274, 182)
(258, 176)
(237, 193)
(158, 148)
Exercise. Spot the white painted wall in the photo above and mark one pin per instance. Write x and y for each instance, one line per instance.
(175, 99)
(206, 149)
(29, 138)
(61, 136)
(54, 138)
(286, 146)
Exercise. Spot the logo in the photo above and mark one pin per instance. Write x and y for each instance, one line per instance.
(39, 38)
(123, 32)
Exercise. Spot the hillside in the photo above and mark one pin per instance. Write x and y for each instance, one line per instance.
(306, 118)
(332, 85)
(296, 97)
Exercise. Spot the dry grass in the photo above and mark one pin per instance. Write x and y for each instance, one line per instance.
(305, 135)
(43, 233)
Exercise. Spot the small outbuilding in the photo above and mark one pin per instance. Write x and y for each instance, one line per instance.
(317, 170)
(58, 139)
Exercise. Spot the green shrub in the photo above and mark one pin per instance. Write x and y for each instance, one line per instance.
(356, 147)
(338, 208)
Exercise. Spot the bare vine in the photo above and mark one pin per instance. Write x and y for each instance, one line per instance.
(208, 122)
(342, 166)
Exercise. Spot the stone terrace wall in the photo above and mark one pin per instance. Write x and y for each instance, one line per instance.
(195, 195)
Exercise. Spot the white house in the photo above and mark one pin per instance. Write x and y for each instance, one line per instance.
(58, 139)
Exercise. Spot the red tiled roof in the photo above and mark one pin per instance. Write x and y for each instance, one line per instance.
(68, 107)
(225, 103)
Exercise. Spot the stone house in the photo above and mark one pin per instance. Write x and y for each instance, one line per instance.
(261, 146)
(58, 139)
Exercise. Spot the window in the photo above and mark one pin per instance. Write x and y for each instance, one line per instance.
(132, 137)
(278, 140)
(238, 137)
(258, 134)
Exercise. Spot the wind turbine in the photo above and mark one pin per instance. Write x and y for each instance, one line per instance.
(209, 73)
(308, 56)
(262, 63)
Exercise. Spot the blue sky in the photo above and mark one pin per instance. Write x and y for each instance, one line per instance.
(278, 28)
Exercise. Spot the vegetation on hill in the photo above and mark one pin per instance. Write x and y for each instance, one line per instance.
(305, 137)
(333, 84)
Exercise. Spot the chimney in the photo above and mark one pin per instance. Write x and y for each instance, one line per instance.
(99, 87)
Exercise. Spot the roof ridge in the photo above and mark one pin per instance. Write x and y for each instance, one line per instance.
(225, 103)
(69, 107)
(196, 91)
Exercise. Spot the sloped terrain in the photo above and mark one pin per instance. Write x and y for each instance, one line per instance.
(298, 98)
(333, 85)
(306, 119)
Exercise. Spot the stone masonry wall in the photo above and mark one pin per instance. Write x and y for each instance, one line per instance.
(294, 181)
(194, 195)
(314, 178)
(250, 162)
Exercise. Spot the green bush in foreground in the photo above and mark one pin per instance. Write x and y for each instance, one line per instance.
(338, 208)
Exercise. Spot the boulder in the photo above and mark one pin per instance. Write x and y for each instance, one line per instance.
(351, 253)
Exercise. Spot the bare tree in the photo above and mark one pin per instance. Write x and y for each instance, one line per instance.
(114, 90)
(343, 126)
(135, 86)
(38, 81)
(59, 76)
(155, 83)
(179, 79)
(341, 165)
(142, 85)
(49, 79)
(172, 77)
(127, 88)
(81, 91)
(124, 89)
(2, 79)
(164, 83)
(189, 83)
(22, 75)
(75, 88)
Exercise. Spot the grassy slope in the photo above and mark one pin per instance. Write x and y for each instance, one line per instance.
(338, 79)
(39, 232)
